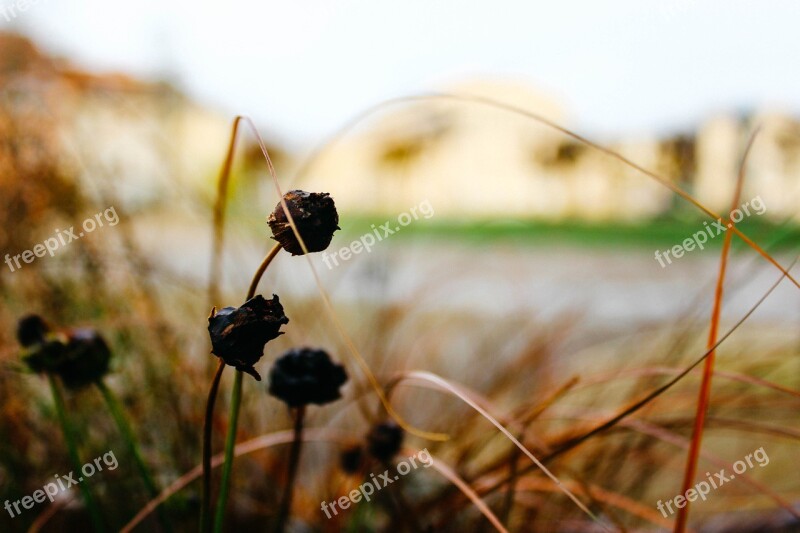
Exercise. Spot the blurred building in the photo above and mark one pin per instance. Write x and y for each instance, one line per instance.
(141, 142)
(470, 159)
(148, 144)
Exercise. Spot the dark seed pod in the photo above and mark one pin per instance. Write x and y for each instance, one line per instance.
(303, 375)
(31, 330)
(85, 359)
(79, 357)
(45, 357)
(315, 216)
(352, 459)
(384, 441)
(239, 334)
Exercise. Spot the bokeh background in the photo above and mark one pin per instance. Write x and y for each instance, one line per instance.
(529, 277)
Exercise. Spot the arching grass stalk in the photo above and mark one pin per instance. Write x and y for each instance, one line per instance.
(72, 450)
(236, 401)
(294, 461)
(316, 154)
(124, 427)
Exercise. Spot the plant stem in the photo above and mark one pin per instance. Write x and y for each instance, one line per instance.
(230, 442)
(236, 401)
(251, 291)
(133, 447)
(72, 450)
(294, 461)
(205, 511)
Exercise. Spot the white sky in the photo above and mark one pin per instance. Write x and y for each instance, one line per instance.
(303, 67)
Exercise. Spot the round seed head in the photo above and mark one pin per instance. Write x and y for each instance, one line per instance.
(384, 440)
(303, 376)
(78, 356)
(85, 358)
(315, 216)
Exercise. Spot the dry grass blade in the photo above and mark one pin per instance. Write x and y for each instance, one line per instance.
(220, 203)
(285, 437)
(570, 443)
(602, 495)
(669, 371)
(49, 513)
(708, 367)
(549, 123)
(677, 440)
(462, 485)
(244, 448)
(447, 386)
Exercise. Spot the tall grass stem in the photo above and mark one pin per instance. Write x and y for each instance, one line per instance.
(124, 427)
(230, 444)
(72, 450)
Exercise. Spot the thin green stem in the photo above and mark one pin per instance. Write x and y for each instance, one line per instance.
(294, 462)
(72, 450)
(236, 401)
(124, 427)
(205, 509)
(230, 443)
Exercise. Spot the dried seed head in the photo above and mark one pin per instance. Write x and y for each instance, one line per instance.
(45, 357)
(85, 359)
(315, 216)
(79, 357)
(239, 334)
(384, 440)
(303, 375)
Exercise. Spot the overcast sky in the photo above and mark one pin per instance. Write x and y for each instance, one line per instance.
(303, 67)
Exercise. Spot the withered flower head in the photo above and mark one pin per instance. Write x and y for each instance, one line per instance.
(79, 357)
(315, 216)
(303, 375)
(239, 334)
(47, 356)
(384, 440)
(85, 358)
